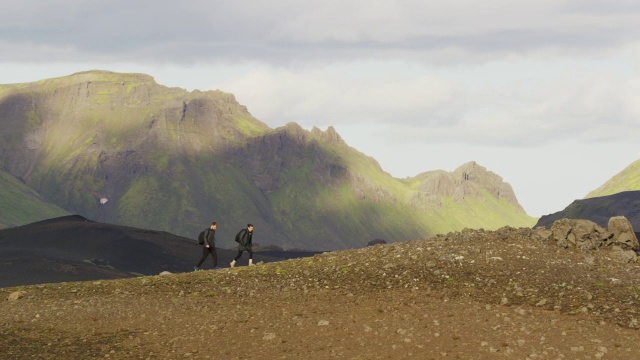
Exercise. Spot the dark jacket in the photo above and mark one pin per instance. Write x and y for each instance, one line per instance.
(243, 238)
(210, 237)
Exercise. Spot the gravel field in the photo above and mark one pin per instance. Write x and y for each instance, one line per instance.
(468, 295)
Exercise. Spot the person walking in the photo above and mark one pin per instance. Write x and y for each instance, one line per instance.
(243, 238)
(209, 246)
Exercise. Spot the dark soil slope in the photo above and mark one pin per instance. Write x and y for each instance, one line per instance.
(72, 248)
(600, 209)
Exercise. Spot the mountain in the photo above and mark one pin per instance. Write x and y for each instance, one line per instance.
(72, 248)
(600, 209)
(20, 205)
(619, 196)
(626, 180)
(122, 149)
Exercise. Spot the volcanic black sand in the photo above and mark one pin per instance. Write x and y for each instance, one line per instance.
(72, 248)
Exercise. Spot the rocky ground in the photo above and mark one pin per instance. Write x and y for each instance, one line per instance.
(468, 295)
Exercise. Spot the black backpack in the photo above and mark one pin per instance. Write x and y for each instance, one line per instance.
(201, 237)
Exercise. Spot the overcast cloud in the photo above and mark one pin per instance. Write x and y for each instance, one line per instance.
(510, 84)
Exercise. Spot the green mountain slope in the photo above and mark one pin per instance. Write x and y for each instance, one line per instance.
(20, 205)
(626, 180)
(120, 148)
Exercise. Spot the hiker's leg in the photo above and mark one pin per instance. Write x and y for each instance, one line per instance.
(250, 256)
(205, 252)
(214, 255)
(238, 256)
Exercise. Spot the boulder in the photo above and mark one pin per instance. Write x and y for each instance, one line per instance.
(579, 233)
(626, 256)
(376, 242)
(16, 295)
(623, 234)
(541, 233)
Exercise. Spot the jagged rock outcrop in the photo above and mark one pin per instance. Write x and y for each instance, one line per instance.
(586, 235)
(580, 234)
(467, 181)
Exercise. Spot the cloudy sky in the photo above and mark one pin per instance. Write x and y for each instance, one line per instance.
(544, 93)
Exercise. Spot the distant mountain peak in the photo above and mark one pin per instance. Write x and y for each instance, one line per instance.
(330, 135)
(468, 181)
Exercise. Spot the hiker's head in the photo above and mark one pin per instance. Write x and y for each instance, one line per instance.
(214, 225)
(250, 227)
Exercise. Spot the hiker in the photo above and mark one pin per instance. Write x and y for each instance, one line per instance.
(243, 238)
(209, 246)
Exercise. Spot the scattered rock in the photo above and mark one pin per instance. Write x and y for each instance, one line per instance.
(376, 242)
(626, 256)
(16, 295)
(541, 233)
(164, 273)
(269, 336)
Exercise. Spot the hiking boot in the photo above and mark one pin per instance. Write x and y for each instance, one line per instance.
(250, 262)
(233, 263)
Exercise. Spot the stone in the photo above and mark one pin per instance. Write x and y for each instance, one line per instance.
(376, 242)
(578, 233)
(541, 233)
(623, 234)
(626, 256)
(164, 273)
(16, 295)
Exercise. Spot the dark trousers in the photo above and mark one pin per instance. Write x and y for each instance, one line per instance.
(205, 252)
(240, 254)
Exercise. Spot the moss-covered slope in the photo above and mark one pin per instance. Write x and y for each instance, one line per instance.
(626, 180)
(20, 205)
(120, 148)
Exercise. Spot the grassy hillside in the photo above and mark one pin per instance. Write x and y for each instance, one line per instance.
(21, 205)
(173, 160)
(626, 180)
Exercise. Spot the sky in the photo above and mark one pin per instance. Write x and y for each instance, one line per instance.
(544, 93)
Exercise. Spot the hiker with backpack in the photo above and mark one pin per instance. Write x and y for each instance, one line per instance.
(207, 239)
(243, 238)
